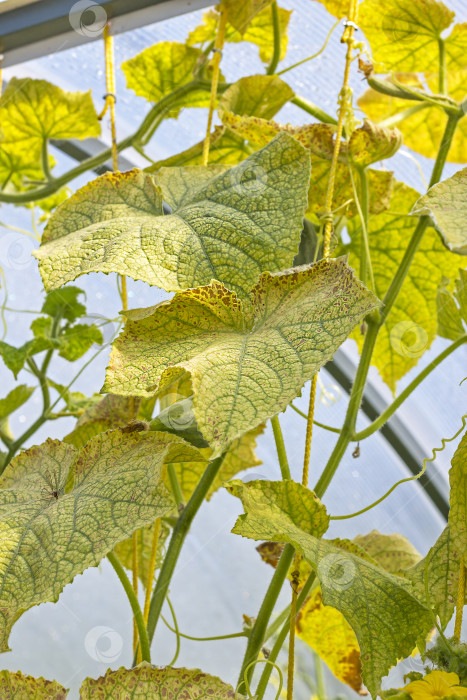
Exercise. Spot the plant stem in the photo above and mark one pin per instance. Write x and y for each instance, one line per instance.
(313, 109)
(315, 55)
(460, 600)
(91, 163)
(388, 412)
(176, 543)
(281, 453)
(405, 114)
(263, 682)
(276, 25)
(442, 80)
(175, 485)
(321, 687)
(315, 422)
(258, 632)
(133, 600)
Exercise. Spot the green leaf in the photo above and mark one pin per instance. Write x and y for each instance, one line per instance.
(446, 205)
(260, 31)
(62, 511)
(75, 401)
(422, 129)
(21, 687)
(368, 144)
(77, 340)
(147, 682)
(63, 303)
(109, 413)
(251, 213)
(449, 314)
(247, 362)
(32, 111)
(458, 498)
(16, 398)
(404, 34)
(260, 96)
(14, 358)
(393, 553)
(380, 607)
(16, 169)
(160, 69)
(436, 577)
(411, 326)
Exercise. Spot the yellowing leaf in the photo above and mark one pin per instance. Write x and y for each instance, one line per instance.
(411, 325)
(424, 127)
(109, 413)
(260, 31)
(338, 8)
(247, 362)
(326, 630)
(32, 111)
(240, 14)
(17, 686)
(147, 682)
(393, 553)
(446, 204)
(368, 144)
(161, 69)
(449, 314)
(144, 540)
(436, 577)
(62, 510)
(14, 400)
(261, 96)
(252, 213)
(458, 498)
(381, 609)
(404, 34)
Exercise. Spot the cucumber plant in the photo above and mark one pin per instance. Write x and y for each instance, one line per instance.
(278, 242)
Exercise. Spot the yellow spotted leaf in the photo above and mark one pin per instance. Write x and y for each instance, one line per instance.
(109, 413)
(17, 686)
(62, 510)
(458, 498)
(147, 682)
(246, 361)
(252, 212)
(393, 553)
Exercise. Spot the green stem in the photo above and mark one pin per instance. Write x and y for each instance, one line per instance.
(176, 488)
(258, 632)
(280, 446)
(363, 206)
(263, 682)
(133, 600)
(442, 79)
(405, 114)
(315, 55)
(176, 543)
(320, 683)
(45, 160)
(276, 25)
(388, 412)
(234, 635)
(91, 163)
(313, 109)
(315, 422)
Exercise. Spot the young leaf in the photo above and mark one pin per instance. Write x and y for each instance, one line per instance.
(16, 398)
(21, 687)
(422, 128)
(77, 340)
(404, 35)
(260, 31)
(246, 362)
(148, 682)
(380, 607)
(458, 498)
(411, 326)
(109, 413)
(446, 205)
(251, 213)
(14, 358)
(161, 69)
(63, 303)
(34, 110)
(436, 577)
(62, 510)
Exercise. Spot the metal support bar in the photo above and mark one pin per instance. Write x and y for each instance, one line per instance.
(34, 28)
